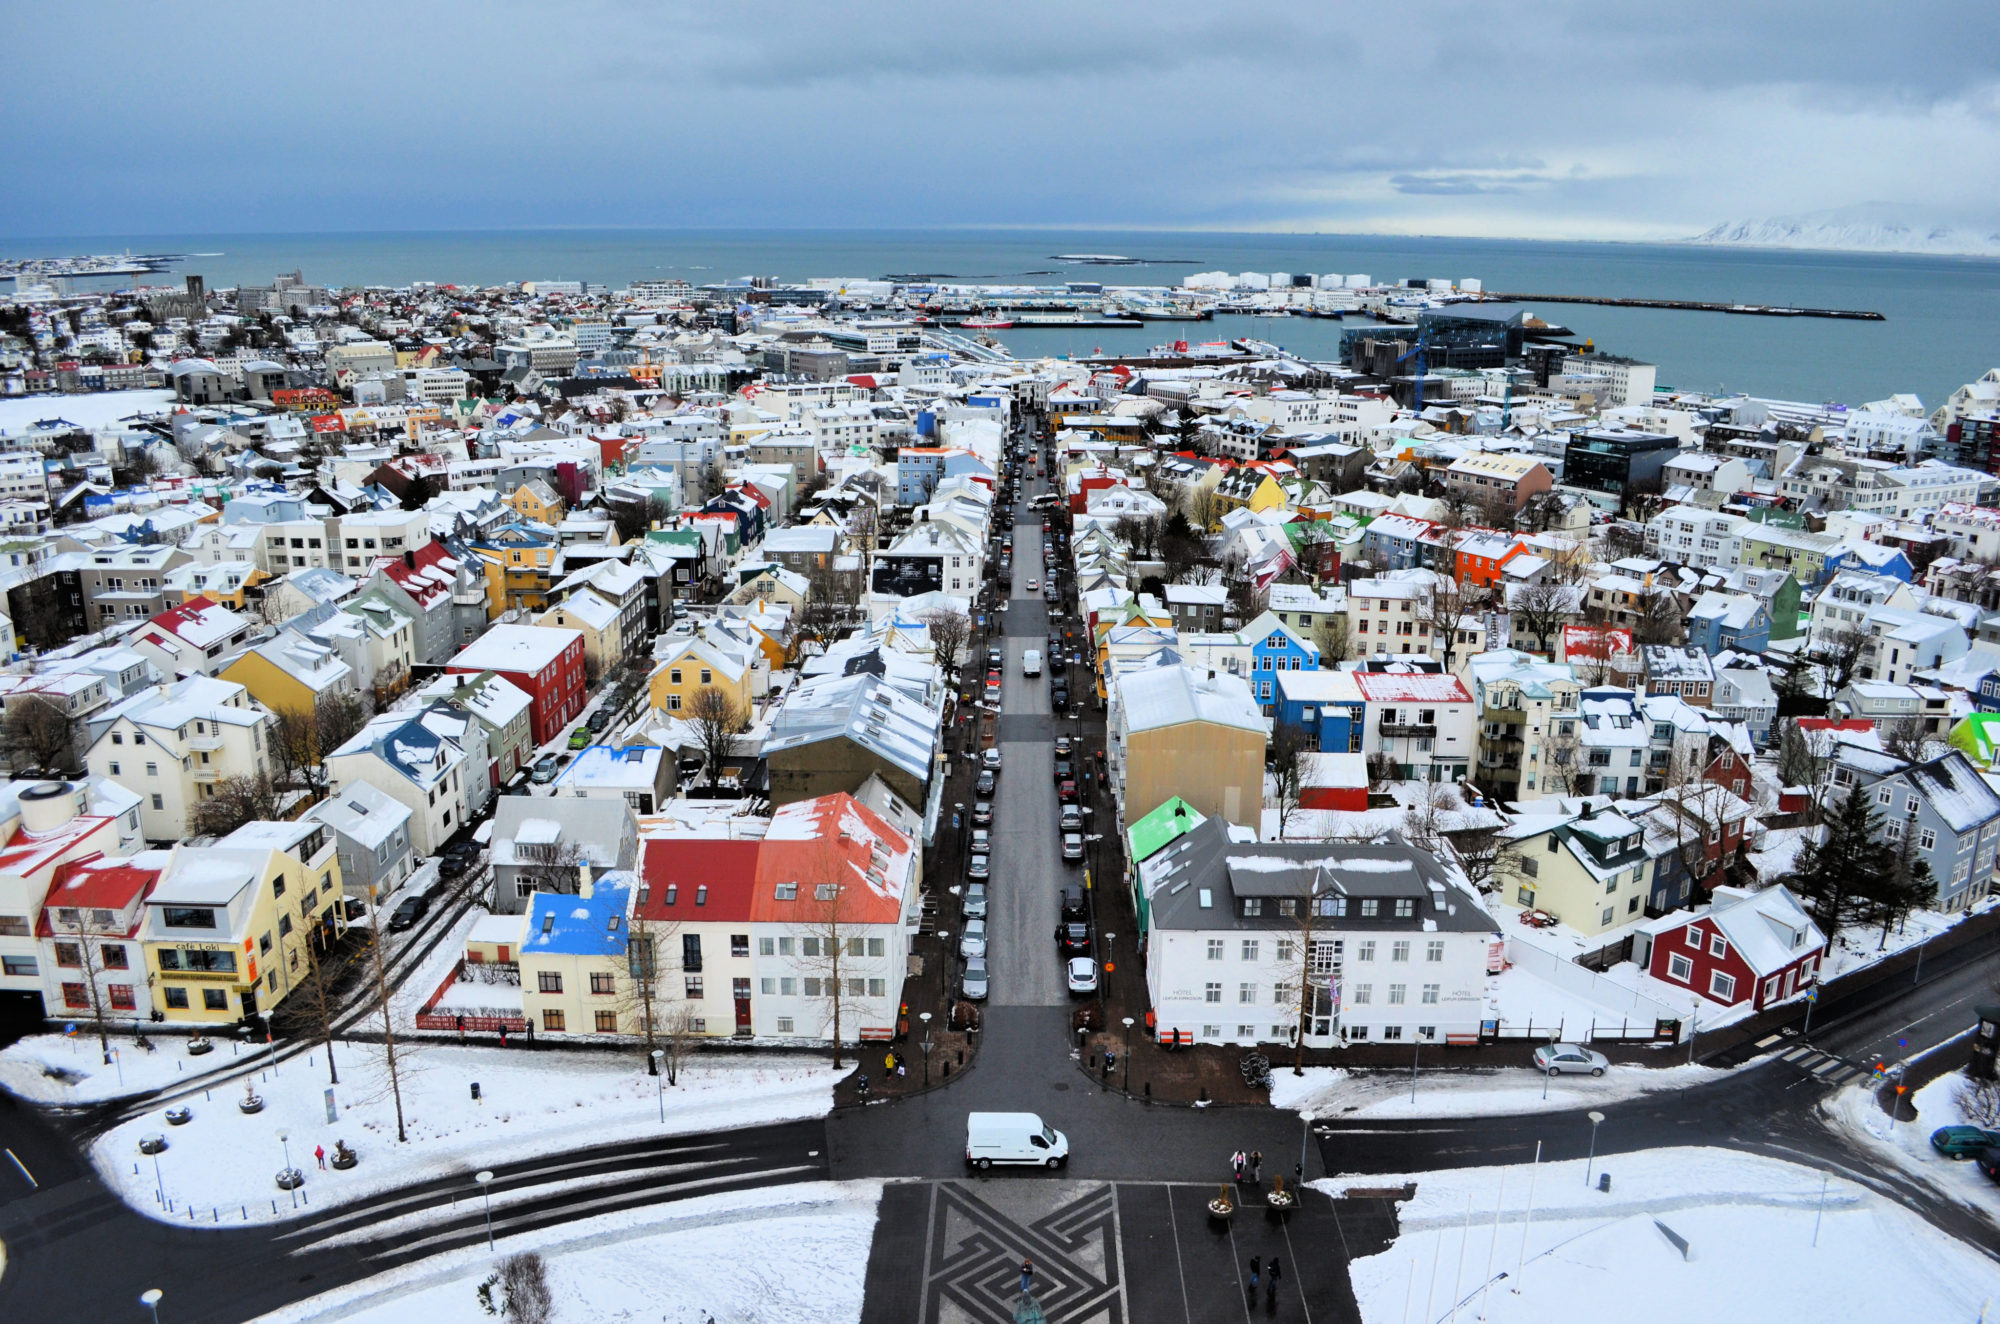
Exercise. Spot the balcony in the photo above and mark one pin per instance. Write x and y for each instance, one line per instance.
(207, 772)
(207, 744)
(1393, 729)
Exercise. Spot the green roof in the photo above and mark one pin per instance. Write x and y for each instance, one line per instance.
(1160, 828)
(1978, 734)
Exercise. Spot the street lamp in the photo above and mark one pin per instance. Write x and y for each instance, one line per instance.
(285, 1139)
(925, 1017)
(485, 1179)
(1591, 1162)
(1128, 1044)
(659, 1082)
(270, 1042)
(150, 1299)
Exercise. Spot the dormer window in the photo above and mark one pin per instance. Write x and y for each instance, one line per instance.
(673, 893)
(1253, 906)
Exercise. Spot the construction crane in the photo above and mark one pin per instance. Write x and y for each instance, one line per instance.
(1418, 353)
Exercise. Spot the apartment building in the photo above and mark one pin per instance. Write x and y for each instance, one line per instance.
(127, 583)
(173, 744)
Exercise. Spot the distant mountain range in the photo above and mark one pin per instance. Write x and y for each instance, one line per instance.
(1865, 228)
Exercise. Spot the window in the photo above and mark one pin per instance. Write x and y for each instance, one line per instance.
(1357, 1032)
(1434, 950)
(1212, 992)
(1392, 1032)
(1405, 908)
(121, 997)
(215, 999)
(552, 1020)
(826, 891)
(739, 944)
(1246, 992)
(1285, 949)
(765, 946)
(1363, 994)
(1249, 949)
(1253, 906)
(75, 995)
(1718, 945)
(691, 952)
(1694, 938)
(784, 1025)
(1215, 949)
(69, 954)
(187, 917)
(809, 946)
(177, 998)
(1398, 994)
(1430, 995)
(768, 986)
(1722, 986)
(878, 988)
(1370, 907)
(601, 984)
(114, 957)
(1926, 839)
(1365, 951)
(784, 946)
(1605, 918)
(607, 1022)
(787, 892)
(548, 981)
(811, 988)
(788, 986)
(1399, 951)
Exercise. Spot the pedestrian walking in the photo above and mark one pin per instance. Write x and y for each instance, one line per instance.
(1256, 1261)
(1027, 1276)
(1236, 1160)
(1256, 1166)
(319, 1152)
(1277, 1271)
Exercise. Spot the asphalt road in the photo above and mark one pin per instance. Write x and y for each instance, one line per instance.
(1027, 865)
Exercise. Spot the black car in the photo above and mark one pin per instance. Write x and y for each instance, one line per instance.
(986, 782)
(1989, 1163)
(1059, 698)
(1073, 939)
(1064, 772)
(407, 914)
(1072, 902)
(993, 658)
(598, 721)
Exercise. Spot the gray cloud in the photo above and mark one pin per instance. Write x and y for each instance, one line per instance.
(1563, 117)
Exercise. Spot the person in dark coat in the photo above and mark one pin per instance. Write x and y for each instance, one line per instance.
(1271, 1282)
(1027, 1276)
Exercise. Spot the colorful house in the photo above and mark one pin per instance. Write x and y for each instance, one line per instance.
(1749, 947)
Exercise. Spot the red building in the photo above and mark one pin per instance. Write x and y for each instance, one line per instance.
(1755, 947)
(544, 662)
(1335, 781)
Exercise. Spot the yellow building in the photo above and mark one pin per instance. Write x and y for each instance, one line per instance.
(222, 582)
(517, 559)
(597, 621)
(289, 673)
(226, 928)
(710, 659)
(537, 501)
(1184, 731)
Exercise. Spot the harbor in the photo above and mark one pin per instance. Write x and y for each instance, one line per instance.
(1693, 306)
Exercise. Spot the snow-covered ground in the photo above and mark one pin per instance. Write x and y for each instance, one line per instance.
(1749, 1222)
(60, 1070)
(532, 1103)
(1336, 1094)
(94, 410)
(777, 1255)
(1908, 1144)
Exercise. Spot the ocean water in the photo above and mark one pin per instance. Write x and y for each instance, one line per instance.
(1943, 326)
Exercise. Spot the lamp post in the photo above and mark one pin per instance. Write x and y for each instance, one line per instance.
(1416, 1051)
(270, 1042)
(1128, 1053)
(925, 1017)
(1591, 1162)
(659, 1082)
(150, 1299)
(285, 1140)
(485, 1179)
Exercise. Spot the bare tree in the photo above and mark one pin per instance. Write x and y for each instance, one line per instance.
(834, 958)
(1302, 962)
(1839, 654)
(381, 974)
(308, 1011)
(663, 1024)
(557, 867)
(716, 719)
(231, 803)
(1290, 761)
(711, 481)
(38, 733)
(1906, 739)
(301, 739)
(519, 1290)
(1564, 748)
(1477, 848)
(1141, 534)
(1330, 636)
(1202, 507)
(635, 518)
(80, 932)
(1660, 617)
(1446, 608)
(1424, 822)
(1541, 609)
(1383, 769)
(950, 631)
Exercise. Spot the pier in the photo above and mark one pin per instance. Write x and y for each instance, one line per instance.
(1692, 306)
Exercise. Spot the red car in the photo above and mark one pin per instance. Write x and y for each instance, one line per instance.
(1067, 792)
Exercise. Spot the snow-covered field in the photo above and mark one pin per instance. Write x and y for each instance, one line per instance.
(1908, 1144)
(81, 1075)
(1336, 1094)
(532, 1103)
(777, 1255)
(95, 410)
(1749, 1222)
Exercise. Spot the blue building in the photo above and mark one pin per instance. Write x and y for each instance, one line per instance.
(1326, 706)
(1720, 621)
(1275, 648)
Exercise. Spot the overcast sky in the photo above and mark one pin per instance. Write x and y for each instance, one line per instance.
(1541, 118)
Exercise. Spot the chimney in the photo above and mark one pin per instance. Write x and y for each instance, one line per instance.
(1589, 810)
(46, 806)
(410, 560)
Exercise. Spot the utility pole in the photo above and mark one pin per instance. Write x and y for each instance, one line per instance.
(388, 1026)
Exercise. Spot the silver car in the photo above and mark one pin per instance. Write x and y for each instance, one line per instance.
(977, 868)
(972, 984)
(1072, 846)
(1569, 1059)
(975, 901)
(973, 941)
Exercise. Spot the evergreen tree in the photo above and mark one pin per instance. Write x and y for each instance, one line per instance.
(1839, 876)
(1905, 886)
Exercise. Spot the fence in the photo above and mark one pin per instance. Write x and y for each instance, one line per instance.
(1633, 1012)
(483, 1020)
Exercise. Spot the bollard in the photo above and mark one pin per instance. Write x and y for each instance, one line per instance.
(947, 1071)
(274, 1208)
(1149, 1090)
(1204, 1094)
(218, 1215)
(246, 1213)
(207, 1097)
(1604, 1182)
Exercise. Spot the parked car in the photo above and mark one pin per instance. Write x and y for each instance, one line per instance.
(1063, 769)
(598, 720)
(975, 901)
(977, 868)
(579, 738)
(991, 758)
(1071, 819)
(1066, 792)
(1073, 938)
(982, 813)
(1072, 845)
(1569, 1059)
(1062, 749)
(546, 768)
(1082, 975)
(985, 783)
(460, 856)
(409, 912)
(982, 841)
(1963, 1142)
(972, 942)
(1989, 1163)
(1072, 901)
(972, 984)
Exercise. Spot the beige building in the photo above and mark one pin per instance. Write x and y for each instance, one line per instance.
(1182, 731)
(172, 745)
(1529, 737)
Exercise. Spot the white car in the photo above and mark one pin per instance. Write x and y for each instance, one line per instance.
(973, 942)
(991, 758)
(1569, 1059)
(1034, 585)
(1082, 975)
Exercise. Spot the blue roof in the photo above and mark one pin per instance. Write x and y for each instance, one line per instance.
(591, 925)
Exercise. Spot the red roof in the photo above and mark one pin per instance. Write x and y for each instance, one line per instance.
(682, 865)
(96, 882)
(426, 574)
(31, 852)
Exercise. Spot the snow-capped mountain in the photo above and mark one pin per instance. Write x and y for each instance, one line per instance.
(1866, 228)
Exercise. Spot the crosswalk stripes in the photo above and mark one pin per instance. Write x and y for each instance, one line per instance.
(1822, 1066)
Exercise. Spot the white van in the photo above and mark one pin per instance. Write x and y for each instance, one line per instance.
(1013, 1138)
(1031, 663)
